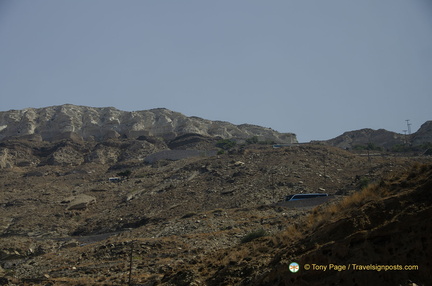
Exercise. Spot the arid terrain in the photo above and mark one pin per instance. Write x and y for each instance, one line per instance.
(182, 222)
(86, 201)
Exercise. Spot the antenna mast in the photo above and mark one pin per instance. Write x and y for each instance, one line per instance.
(409, 126)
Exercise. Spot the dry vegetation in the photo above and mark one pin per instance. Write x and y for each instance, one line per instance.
(313, 234)
(197, 221)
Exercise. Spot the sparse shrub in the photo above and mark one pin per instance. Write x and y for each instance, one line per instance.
(252, 140)
(369, 146)
(425, 148)
(368, 193)
(139, 176)
(255, 140)
(364, 182)
(253, 235)
(126, 174)
(291, 233)
(371, 192)
(267, 142)
(400, 148)
(225, 144)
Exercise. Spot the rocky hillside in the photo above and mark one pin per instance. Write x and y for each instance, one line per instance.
(21, 153)
(184, 222)
(98, 196)
(423, 135)
(381, 138)
(363, 137)
(88, 123)
(379, 236)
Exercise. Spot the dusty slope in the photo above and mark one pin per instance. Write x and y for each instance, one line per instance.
(176, 215)
(385, 224)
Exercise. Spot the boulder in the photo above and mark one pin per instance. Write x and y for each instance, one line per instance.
(79, 202)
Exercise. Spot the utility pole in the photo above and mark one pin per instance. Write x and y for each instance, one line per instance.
(368, 153)
(324, 163)
(405, 133)
(130, 263)
(408, 140)
(409, 126)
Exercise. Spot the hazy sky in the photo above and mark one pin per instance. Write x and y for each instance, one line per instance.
(312, 67)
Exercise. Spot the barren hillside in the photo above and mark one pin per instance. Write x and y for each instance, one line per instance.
(378, 236)
(98, 196)
(68, 224)
(382, 139)
(89, 123)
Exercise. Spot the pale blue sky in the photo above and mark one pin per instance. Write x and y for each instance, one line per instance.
(312, 67)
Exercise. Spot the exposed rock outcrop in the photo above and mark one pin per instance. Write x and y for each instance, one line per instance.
(381, 138)
(22, 153)
(79, 202)
(423, 135)
(16, 154)
(88, 123)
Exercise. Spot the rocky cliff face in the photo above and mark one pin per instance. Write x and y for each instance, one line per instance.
(88, 123)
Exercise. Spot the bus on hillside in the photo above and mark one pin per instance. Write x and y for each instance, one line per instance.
(298, 197)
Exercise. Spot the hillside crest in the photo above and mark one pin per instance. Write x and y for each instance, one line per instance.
(382, 138)
(90, 123)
